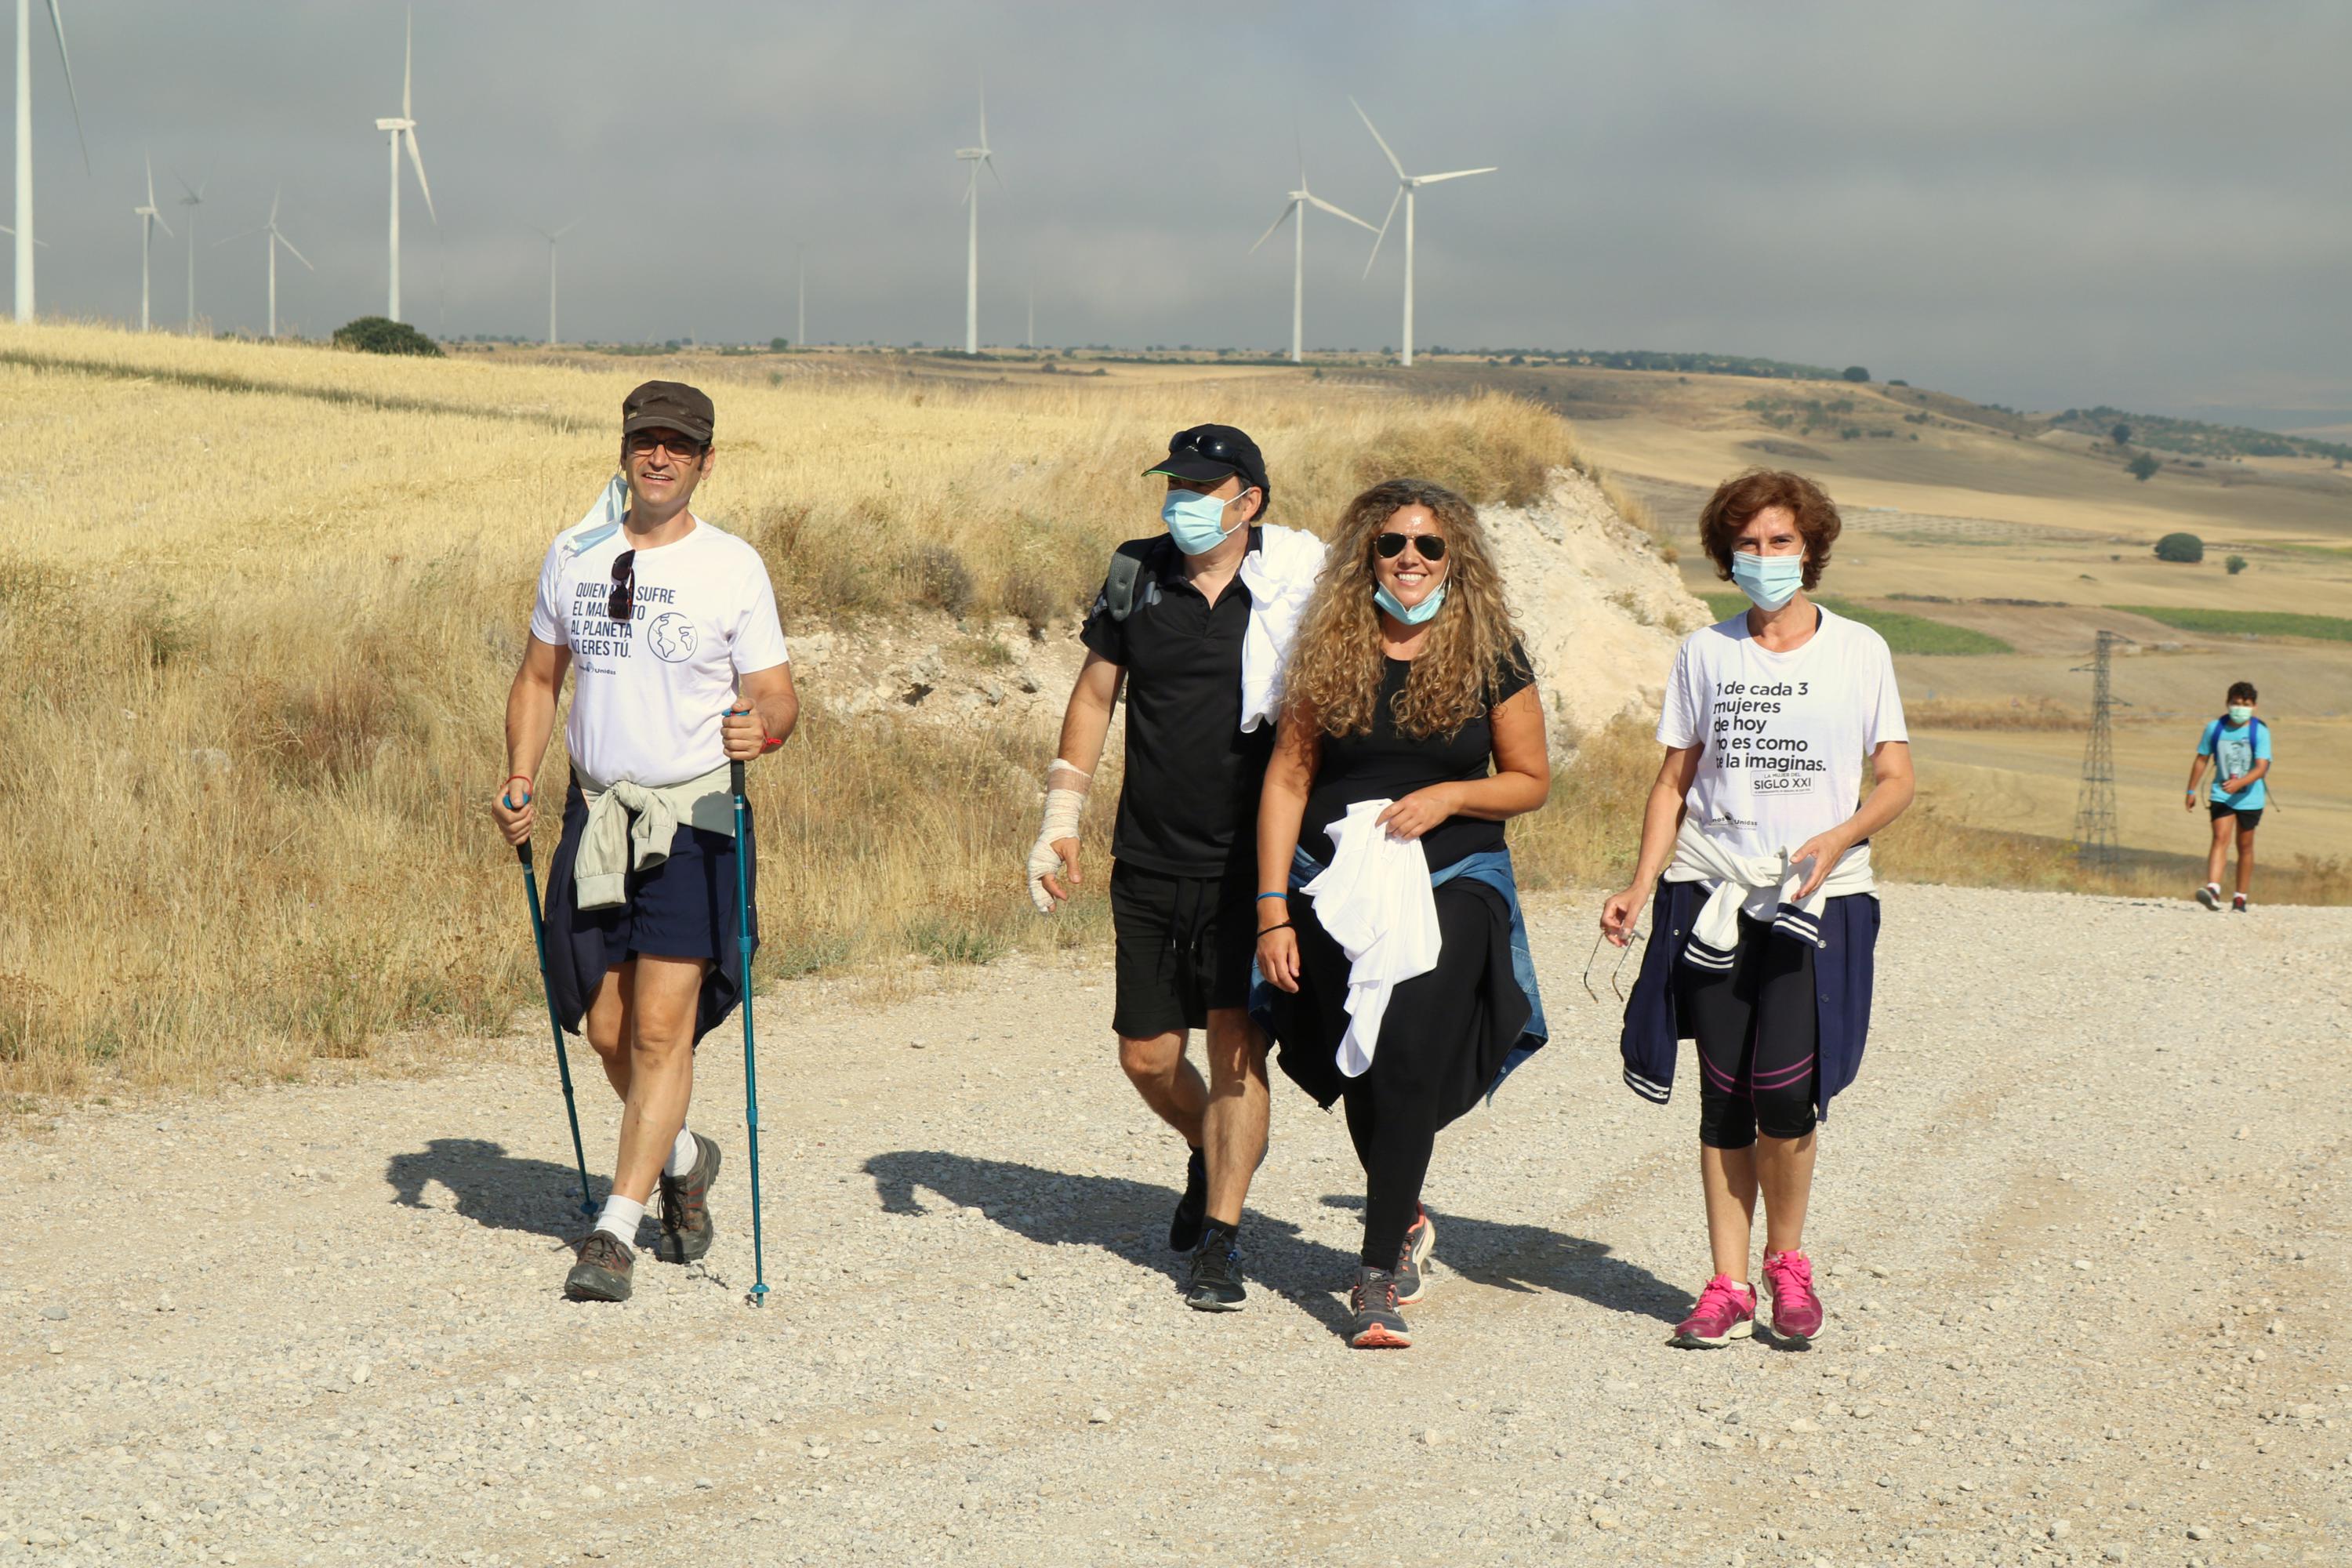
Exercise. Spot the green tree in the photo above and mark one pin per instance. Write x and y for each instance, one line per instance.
(382, 335)
(2186, 548)
(778, 345)
(2234, 565)
(2143, 467)
(2121, 435)
(1855, 373)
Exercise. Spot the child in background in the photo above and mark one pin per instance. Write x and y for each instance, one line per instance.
(2238, 744)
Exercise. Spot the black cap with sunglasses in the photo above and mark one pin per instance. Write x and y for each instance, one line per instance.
(1210, 453)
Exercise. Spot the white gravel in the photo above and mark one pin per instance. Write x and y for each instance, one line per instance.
(2082, 1232)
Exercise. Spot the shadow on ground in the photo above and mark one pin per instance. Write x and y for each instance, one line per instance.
(492, 1187)
(1128, 1219)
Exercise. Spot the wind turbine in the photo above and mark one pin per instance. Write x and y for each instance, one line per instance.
(276, 240)
(799, 316)
(149, 217)
(402, 128)
(1300, 200)
(23, 232)
(192, 201)
(551, 239)
(1406, 185)
(976, 157)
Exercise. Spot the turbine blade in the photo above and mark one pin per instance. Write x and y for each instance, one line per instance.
(1288, 208)
(1382, 232)
(176, 174)
(567, 228)
(990, 161)
(58, 21)
(1336, 211)
(1456, 174)
(418, 160)
(206, 183)
(290, 245)
(1378, 137)
(273, 204)
(983, 111)
(151, 177)
(248, 234)
(159, 223)
(407, 66)
(1298, 139)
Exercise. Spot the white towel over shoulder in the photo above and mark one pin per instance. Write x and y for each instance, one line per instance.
(1280, 576)
(1375, 900)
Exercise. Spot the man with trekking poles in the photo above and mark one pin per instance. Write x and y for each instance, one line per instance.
(680, 676)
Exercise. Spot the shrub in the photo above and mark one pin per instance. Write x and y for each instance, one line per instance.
(1855, 373)
(2182, 547)
(2234, 565)
(2121, 435)
(382, 335)
(778, 345)
(940, 579)
(2143, 467)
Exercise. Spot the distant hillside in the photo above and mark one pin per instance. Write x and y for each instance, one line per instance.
(2194, 437)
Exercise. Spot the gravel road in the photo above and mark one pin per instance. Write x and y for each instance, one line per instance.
(2082, 1231)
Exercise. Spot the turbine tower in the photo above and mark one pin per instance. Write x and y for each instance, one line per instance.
(148, 216)
(976, 157)
(23, 232)
(1406, 185)
(1300, 200)
(551, 239)
(403, 127)
(276, 240)
(800, 315)
(192, 201)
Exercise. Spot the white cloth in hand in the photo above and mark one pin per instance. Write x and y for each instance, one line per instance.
(1375, 900)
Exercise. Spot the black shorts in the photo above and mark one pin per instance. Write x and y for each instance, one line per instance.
(1185, 946)
(2249, 818)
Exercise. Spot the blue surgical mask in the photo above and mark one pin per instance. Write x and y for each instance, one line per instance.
(1768, 580)
(1196, 521)
(2240, 712)
(1416, 616)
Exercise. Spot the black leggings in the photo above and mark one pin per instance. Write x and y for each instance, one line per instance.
(1759, 1031)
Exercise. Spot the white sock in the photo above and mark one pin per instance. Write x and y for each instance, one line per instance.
(682, 1155)
(620, 1219)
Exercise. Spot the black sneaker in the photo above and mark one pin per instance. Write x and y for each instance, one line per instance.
(1193, 1208)
(603, 1272)
(1376, 1324)
(2238, 904)
(1418, 1243)
(1216, 1285)
(686, 1229)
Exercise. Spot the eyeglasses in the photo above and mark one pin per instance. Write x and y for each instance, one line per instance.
(1432, 546)
(622, 605)
(645, 443)
(1632, 939)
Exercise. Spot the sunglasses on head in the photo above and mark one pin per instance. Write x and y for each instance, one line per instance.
(1216, 447)
(1430, 546)
(621, 603)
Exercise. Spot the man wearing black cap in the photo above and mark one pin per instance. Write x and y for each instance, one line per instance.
(1195, 620)
(679, 663)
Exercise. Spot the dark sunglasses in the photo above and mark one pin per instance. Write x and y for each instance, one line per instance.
(1216, 447)
(1432, 546)
(625, 583)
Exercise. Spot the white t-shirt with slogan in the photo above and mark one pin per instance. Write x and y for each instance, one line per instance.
(1785, 733)
(648, 693)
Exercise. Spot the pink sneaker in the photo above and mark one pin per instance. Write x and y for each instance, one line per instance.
(1796, 1311)
(1725, 1311)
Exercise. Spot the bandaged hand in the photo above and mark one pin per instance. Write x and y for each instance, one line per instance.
(1056, 849)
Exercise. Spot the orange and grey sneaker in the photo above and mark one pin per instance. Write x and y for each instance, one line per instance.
(601, 1274)
(1725, 1311)
(1418, 1242)
(1376, 1324)
(686, 1229)
(1796, 1311)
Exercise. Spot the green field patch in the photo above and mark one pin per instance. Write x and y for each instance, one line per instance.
(1904, 634)
(2235, 623)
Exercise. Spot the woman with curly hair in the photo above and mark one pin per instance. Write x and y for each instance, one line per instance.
(1767, 921)
(1389, 923)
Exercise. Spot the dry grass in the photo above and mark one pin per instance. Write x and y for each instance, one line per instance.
(263, 604)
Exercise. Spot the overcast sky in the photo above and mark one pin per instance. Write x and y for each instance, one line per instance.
(2149, 205)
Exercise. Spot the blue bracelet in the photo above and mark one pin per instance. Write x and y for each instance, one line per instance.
(1283, 895)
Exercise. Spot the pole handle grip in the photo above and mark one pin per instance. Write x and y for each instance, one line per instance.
(522, 853)
(735, 778)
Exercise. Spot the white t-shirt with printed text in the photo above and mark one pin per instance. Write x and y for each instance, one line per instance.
(648, 693)
(1785, 735)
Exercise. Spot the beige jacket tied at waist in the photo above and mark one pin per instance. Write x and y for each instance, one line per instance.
(630, 826)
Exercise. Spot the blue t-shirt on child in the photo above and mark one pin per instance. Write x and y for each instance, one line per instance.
(2235, 748)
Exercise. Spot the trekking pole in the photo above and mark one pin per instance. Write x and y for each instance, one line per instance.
(759, 1294)
(547, 989)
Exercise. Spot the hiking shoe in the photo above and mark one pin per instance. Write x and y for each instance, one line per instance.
(1417, 1241)
(1725, 1311)
(686, 1229)
(2209, 895)
(1796, 1311)
(1375, 1324)
(2237, 904)
(1193, 1208)
(603, 1272)
(1216, 1283)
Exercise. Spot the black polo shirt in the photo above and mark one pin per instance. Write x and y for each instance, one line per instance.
(1188, 806)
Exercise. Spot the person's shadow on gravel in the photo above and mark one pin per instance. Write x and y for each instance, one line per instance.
(493, 1187)
(1125, 1218)
(1532, 1257)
